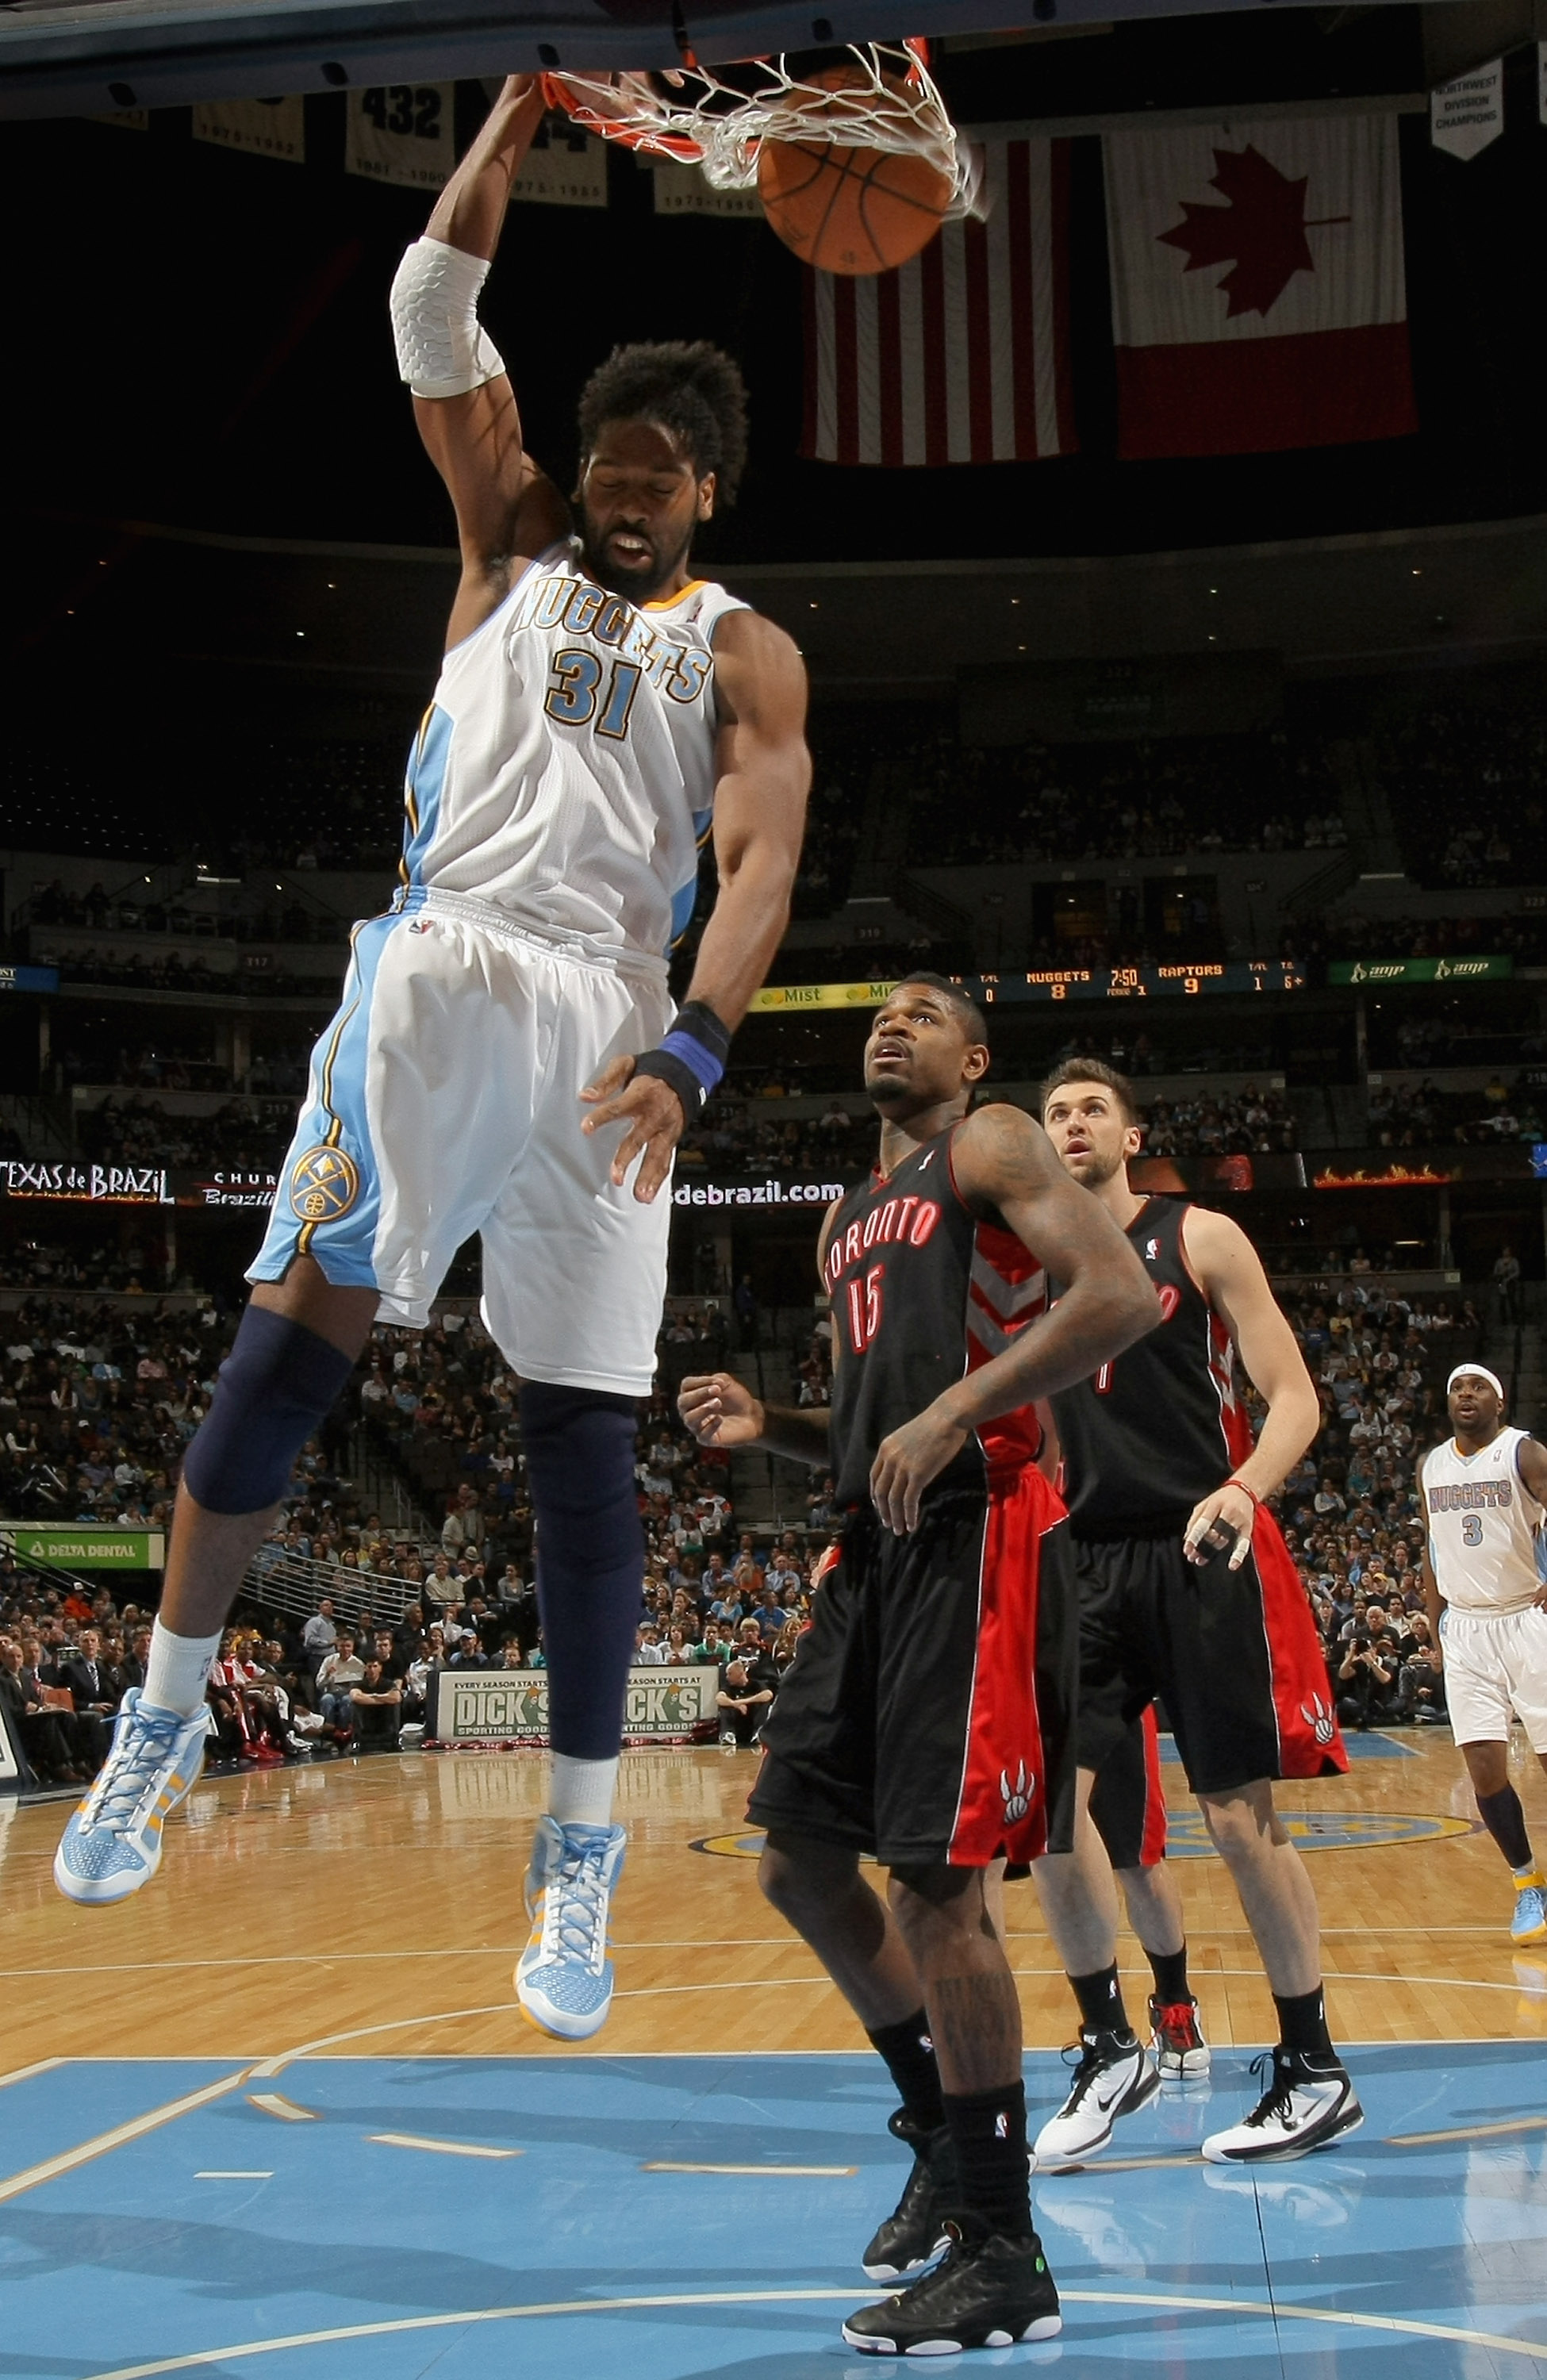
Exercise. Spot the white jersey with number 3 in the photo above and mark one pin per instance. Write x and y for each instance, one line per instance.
(1484, 1525)
(565, 772)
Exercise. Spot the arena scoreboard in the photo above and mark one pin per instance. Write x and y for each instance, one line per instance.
(1167, 981)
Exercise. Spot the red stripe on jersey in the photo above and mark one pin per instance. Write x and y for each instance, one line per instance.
(1151, 1850)
(1002, 1802)
(1234, 1420)
(1309, 1740)
(1006, 1292)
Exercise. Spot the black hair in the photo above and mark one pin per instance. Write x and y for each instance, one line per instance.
(962, 1001)
(1091, 1070)
(690, 388)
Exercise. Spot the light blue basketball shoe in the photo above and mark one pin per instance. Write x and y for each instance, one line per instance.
(112, 1845)
(564, 1977)
(1530, 1921)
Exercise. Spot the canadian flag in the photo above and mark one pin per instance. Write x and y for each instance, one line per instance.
(1259, 299)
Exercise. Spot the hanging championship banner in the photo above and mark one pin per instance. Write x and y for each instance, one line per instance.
(264, 128)
(682, 190)
(402, 132)
(564, 167)
(1467, 114)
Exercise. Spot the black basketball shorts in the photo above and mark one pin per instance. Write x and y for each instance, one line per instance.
(1128, 1800)
(1233, 1655)
(927, 1716)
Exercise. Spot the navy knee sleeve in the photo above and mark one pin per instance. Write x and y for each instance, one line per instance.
(579, 1450)
(276, 1386)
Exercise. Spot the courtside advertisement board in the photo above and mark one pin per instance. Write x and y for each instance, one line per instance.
(495, 1710)
(84, 1545)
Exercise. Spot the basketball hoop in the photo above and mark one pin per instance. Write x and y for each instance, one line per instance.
(864, 95)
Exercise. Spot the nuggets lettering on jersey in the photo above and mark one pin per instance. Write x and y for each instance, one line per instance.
(922, 1292)
(564, 771)
(1149, 1435)
(1485, 1527)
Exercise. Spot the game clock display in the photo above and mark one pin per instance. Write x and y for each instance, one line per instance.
(1161, 982)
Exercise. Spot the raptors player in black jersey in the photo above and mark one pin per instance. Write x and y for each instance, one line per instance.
(1187, 1592)
(927, 1717)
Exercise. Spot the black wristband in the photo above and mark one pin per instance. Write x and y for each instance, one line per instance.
(699, 1019)
(678, 1077)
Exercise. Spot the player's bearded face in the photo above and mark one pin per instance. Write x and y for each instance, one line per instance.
(639, 503)
(1089, 1136)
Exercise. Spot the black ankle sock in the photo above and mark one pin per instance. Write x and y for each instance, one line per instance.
(1171, 1976)
(1101, 2000)
(1302, 2023)
(987, 2134)
(910, 2061)
(1505, 1821)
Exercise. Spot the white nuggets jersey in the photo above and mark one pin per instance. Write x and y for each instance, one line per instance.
(564, 771)
(1484, 1525)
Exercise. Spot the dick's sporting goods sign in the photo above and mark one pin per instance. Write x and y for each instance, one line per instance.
(84, 1548)
(500, 1707)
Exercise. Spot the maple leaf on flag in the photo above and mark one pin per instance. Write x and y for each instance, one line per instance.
(1259, 230)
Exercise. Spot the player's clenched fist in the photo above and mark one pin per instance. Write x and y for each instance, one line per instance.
(720, 1410)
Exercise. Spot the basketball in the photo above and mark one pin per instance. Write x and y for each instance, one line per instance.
(850, 209)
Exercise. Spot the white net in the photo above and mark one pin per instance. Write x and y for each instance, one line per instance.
(862, 96)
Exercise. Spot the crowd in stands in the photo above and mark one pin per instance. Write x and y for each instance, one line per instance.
(1421, 1115)
(1187, 795)
(88, 1056)
(137, 1268)
(1521, 935)
(249, 1134)
(1225, 1124)
(1466, 784)
(1350, 1509)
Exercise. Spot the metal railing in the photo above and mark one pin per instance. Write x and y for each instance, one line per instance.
(291, 1583)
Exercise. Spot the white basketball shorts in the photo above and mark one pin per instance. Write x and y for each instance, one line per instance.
(1495, 1669)
(443, 1099)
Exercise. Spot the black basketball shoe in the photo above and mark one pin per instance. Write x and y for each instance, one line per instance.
(915, 2235)
(986, 2291)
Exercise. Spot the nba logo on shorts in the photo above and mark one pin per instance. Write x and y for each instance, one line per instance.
(324, 1185)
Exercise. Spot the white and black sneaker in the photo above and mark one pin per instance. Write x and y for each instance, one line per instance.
(915, 2235)
(986, 2291)
(1309, 2104)
(1113, 2075)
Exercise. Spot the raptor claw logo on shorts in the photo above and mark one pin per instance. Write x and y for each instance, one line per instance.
(1319, 1719)
(324, 1185)
(1017, 1798)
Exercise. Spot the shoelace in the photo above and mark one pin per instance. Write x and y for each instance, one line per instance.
(1178, 2016)
(1278, 2098)
(575, 1910)
(129, 1774)
(1086, 2060)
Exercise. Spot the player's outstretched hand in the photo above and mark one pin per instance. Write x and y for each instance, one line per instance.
(907, 1461)
(1225, 1516)
(720, 1410)
(653, 1113)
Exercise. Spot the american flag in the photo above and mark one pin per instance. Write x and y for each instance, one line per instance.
(961, 356)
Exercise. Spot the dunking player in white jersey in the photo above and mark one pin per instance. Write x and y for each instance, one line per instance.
(600, 712)
(1484, 1499)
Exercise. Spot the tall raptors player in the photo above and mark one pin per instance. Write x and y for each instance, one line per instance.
(1484, 1499)
(926, 1717)
(600, 710)
(1187, 1592)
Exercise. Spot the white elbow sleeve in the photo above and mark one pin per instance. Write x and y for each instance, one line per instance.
(442, 349)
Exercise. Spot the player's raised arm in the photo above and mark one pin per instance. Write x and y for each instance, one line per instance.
(1004, 1164)
(1229, 1272)
(464, 405)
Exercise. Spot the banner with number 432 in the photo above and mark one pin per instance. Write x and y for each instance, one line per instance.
(402, 132)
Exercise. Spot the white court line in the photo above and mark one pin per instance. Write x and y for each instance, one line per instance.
(275, 2102)
(217, 2174)
(441, 2148)
(792, 2172)
(25, 2073)
(1281, 2312)
(52, 2167)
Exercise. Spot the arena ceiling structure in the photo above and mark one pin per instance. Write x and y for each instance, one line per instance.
(67, 57)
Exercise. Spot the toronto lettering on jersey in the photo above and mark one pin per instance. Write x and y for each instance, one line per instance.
(912, 1219)
(1470, 1495)
(585, 609)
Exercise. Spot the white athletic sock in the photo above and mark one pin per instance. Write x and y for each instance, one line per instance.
(580, 1792)
(178, 1669)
